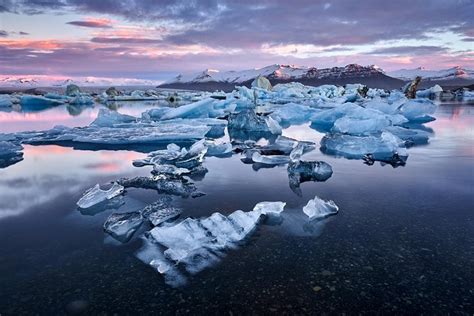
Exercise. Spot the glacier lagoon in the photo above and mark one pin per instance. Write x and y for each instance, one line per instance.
(400, 242)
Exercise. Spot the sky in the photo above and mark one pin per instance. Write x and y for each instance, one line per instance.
(156, 39)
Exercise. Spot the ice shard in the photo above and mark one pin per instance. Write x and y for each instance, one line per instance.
(122, 226)
(318, 208)
(96, 195)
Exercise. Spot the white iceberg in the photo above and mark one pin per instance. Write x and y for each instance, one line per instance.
(96, 195)
(318, 208)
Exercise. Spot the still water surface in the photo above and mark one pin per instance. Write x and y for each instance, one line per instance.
(403, 241)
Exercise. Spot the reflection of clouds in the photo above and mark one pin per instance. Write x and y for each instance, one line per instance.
(51, 171)
(20, 194)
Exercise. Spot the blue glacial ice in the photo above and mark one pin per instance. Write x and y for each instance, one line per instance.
(196, 244)
(122, 226)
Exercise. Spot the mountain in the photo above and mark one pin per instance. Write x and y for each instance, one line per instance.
(20, 82)
(353, 73)
(445, 74)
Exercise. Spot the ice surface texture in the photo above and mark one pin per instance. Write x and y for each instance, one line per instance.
(318, 208)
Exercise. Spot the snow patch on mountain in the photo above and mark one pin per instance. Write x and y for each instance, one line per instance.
(456, 72)
(59, 81)
(277, 72)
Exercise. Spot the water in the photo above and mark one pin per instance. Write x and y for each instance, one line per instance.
(403, 241)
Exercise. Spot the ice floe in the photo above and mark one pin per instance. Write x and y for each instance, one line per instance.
(318, 208)
(96, 195)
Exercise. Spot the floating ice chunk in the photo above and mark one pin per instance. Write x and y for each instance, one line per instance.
(108, 118)
(354, 126)
(270, 208)
(248, 121)
(169, 170)
(72, 90)
(302, 171)
(161, 184)
(206, 108)
(159, 212)
(410, 136)
(418, 110)
(5, 101)
(10, 153)
(96, 195)
(122, 226)
(37, 103)
(215, 149)
(82, 99)
(384, 147)
(269, 160)
(327, 118)
(382, 105)
(120, 134)
(318, 208)
(273, 125)
(432, 92)
(291, 113)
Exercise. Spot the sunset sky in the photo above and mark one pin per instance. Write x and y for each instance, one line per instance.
(157, 39)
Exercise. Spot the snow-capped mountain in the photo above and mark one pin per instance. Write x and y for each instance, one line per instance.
(48, 81)
(445, 74)
(277, 72)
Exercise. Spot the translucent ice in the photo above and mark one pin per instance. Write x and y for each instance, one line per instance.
(318, 208)
(384, 147)
(302, 171)
(96, 195)
(270, 208)
(269, 160)
(122, 226)
(37, 103)
(159, 212)
(108, 118)
(5, 101)
(418, 110)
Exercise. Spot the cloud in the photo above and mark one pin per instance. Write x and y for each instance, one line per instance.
(92, 23)
(228, 23)
(409, 50)
(125, 40)
(3, 33)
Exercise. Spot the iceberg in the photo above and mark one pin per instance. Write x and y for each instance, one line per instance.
(122, 226)
(162, 184)
(5, 101)
(354, 126)
(318, 208)
(385, 147)
(108, 118)
(247, 121)
(197, 244)
(96, 195)
(37, 103)
(270, 208)
(82, 99)
(418, 110)
(10, 153)
(270, 160)
(410, 136)
(160, 211)
(302, 171)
